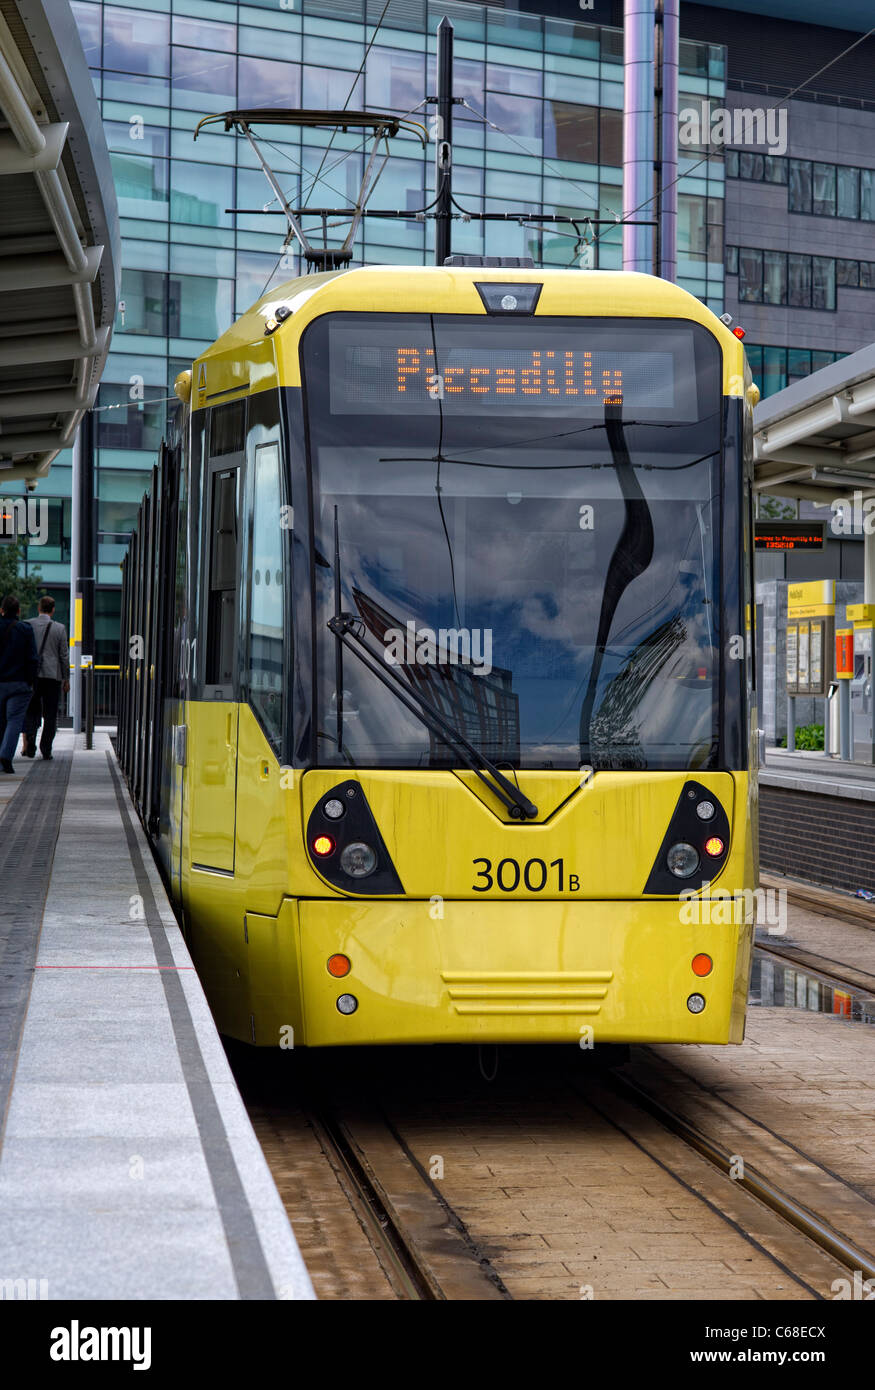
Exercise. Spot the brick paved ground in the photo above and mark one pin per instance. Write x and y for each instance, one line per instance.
(564, 1202)
(842, 942)
(340, 1259)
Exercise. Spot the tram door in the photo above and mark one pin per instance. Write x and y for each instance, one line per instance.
(214, 722)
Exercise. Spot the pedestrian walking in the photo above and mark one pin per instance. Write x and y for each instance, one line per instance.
(53, 676)
(18, 663)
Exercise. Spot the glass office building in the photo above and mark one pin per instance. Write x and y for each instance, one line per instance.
(540, 132)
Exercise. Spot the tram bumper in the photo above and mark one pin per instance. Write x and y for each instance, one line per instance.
(461, 971)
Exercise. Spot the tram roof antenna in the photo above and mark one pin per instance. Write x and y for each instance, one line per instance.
(381, 125)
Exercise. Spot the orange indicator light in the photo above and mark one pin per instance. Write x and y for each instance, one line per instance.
(338, 966)
(323, 845)
(702, 965)
(714, 846)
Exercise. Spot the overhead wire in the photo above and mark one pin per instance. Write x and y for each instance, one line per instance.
(706, 157)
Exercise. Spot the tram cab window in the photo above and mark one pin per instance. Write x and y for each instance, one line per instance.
(226, 436)
(221, 618)
(266, 644)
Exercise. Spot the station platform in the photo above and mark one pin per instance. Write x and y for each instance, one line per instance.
(816, 819)
(823, 776)
(128, 1165)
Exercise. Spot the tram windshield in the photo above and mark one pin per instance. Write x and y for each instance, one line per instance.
(522, 514)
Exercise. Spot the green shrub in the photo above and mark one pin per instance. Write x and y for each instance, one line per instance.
(809, 737)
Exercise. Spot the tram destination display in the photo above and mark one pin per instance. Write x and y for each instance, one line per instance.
(522, 367)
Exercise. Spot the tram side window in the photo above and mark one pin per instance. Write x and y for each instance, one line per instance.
(222, 611)
(266, 683)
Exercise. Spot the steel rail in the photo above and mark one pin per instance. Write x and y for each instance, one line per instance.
(795, 1213)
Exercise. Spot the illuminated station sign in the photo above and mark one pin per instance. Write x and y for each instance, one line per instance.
(789, 535)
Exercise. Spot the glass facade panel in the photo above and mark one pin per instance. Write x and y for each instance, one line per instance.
(823, 282)
(394, 81)
(750, 276)
(204, 34)
(867, 195)
(143, 302)
(264, 82)
(799, 281)
(848, 192)
(774, 168)
(198, 307)
(571, 132)
(848, 273)
(692, 237)
(774, 370)
(750, 166)
(141, 185)
(200, 194)
(203, 81)
(799, 199)
(823, 190)
(774, 277)
(88, 23)
(136, 41)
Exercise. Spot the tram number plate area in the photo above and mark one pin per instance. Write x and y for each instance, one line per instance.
(535, 875)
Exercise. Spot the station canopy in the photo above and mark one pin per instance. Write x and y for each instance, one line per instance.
(816, 438)
(59, 237)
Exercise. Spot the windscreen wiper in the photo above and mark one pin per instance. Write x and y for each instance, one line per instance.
(350, 633)
(633, 553)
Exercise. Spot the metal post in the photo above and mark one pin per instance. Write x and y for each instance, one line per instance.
(791, 723)
(443, 226)
(845, 719)
(638, 52)
(75, 702)
(667, 166)
(89, 705)
(868, 566)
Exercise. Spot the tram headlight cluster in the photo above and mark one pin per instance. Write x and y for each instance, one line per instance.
(682, 860)
(358, 859)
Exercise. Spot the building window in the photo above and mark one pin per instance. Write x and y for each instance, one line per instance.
(775, 168)
(571, 132)
(799, 281)
(800, 185)
(847, 191)
(136, 42)
(774, 277)
(848, 273)
(142, 304)
(823, 282)
(823, 190)
(750, 166)
(750, 276)
(867, 195)
(732, 260)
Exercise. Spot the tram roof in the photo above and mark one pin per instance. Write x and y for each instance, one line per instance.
(387, 288)
(816, 438)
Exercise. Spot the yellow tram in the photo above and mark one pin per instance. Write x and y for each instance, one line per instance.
(437, 674)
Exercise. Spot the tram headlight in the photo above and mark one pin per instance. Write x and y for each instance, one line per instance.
(682, 860)
(334, 809)
(358, 860)
(347, 1004)
(705, 810)
(696, 1003)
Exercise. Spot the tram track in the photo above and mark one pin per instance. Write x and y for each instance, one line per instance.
(433, 1244)
(769, 1194)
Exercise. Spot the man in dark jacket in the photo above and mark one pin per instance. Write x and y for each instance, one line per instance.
(18, 667)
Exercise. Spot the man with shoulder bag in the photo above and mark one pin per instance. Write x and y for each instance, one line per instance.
(53, 676)
(18, 663)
